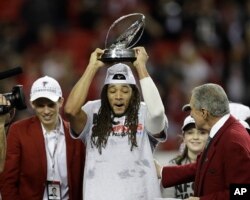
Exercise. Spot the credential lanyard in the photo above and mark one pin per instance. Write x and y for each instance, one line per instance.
(52, 155)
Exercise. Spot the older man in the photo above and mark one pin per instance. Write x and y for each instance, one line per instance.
(225, 160)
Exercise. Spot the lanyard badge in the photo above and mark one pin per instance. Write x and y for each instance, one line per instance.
(54, 190)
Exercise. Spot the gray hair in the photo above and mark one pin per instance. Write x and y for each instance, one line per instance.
(211, 97)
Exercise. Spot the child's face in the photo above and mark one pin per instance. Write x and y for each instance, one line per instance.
(195, 140)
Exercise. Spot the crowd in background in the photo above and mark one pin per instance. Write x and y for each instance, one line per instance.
(189, 43)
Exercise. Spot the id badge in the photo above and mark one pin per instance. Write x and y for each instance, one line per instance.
(54, 190)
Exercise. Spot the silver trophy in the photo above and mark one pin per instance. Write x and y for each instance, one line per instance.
(123, 34)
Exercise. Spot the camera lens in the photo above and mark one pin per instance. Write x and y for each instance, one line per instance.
(16, 98)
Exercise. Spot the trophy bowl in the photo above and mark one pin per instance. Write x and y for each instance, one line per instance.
(122, 35)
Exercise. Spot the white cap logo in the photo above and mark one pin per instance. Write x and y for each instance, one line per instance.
(45, 87)
(44, 83)
(119, 73)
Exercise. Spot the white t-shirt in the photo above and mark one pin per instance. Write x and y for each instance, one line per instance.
(181, 191)
(119, 173)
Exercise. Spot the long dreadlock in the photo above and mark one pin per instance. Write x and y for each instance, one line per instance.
(102, 127)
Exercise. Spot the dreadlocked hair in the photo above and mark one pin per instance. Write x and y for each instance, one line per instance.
(102, 127)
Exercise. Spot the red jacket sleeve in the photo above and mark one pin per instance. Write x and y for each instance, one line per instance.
(175, 175)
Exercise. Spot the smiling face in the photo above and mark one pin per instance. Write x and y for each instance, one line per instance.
(47, 111)
(119, 96)
(195, 140)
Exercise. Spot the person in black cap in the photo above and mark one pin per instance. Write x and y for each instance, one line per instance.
(119, 130)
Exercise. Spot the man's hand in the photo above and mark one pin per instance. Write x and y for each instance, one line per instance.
(141, 56)
(140, 62)
(158, 168)
(3, 118)
(4, 102)
(95, 58)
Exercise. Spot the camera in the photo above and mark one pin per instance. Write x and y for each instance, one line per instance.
(16, 98)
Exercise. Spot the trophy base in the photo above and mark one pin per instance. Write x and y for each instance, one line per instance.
(118, 55)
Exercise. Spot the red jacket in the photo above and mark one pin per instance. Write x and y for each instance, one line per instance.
(25, 170)
(227, 162)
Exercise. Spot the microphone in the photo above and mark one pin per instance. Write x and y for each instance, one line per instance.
(10, 72)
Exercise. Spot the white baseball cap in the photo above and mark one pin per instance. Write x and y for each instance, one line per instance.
(188, 120)
(239, 111)
(186, 107)
(45, 87)
(119, 73)
(245, 124)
